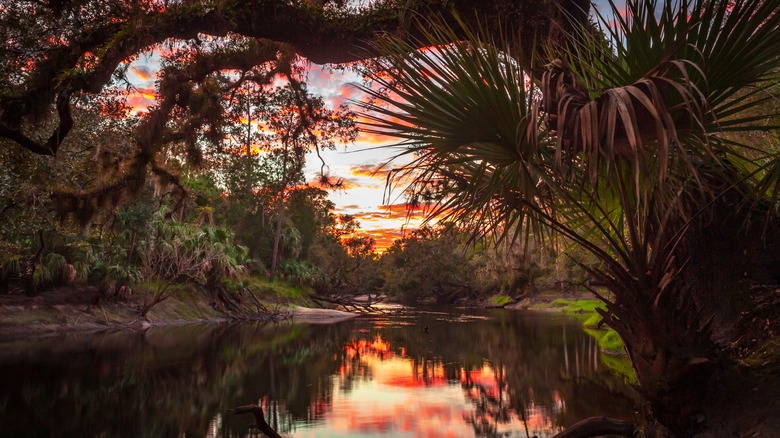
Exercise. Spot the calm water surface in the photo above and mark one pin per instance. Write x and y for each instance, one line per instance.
(496, 373)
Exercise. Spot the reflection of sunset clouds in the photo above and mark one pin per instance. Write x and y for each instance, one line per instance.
(394, 395)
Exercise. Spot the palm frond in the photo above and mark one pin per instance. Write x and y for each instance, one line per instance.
(469, 114)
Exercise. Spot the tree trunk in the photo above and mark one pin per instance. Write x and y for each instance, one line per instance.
(277, 238)
(278, 235)
(132, 246)
(249, 149)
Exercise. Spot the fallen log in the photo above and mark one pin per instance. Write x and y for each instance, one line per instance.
(347, 304)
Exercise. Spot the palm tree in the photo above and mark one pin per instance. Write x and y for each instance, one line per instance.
(629, 140)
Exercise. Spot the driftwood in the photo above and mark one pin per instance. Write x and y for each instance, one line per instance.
(347, 304)
(597, 426)
(257, 411)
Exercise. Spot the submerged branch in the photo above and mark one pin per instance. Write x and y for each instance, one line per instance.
(597, 426)
(257, 411)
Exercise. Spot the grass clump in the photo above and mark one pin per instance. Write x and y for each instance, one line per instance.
(592, 321)
(577, 306)
(280, 290)
(611, 341)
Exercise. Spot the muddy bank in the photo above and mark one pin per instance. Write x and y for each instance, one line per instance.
(81, 309)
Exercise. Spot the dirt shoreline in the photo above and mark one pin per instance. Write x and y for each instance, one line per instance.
(71, 310)
(80, 310)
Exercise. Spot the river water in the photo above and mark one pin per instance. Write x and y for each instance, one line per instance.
(420, 373)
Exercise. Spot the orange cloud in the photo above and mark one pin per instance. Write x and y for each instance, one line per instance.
(335, 183)
(379, 171)
(143, 72)
(373, 137)
(383, 237)
(141, 99)
(406, 208)
(390, 214)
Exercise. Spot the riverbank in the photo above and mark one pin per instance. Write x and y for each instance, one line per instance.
(74, 309)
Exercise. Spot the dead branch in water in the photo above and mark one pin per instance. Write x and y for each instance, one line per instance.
(257, 411)
(348, 304)
(597, 426)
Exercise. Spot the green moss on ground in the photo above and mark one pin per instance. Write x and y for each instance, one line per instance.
(501, 300)
(577, 306)
(592, 321)
(608, 340)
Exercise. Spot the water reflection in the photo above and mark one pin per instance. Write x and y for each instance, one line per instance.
(476, 374)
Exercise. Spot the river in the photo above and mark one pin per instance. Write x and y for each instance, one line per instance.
(424, 373)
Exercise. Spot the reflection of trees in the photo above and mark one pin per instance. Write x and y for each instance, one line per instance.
(159, 383)
(166, 382)
(490, 405)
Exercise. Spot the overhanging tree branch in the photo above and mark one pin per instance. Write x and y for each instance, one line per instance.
(323, 35)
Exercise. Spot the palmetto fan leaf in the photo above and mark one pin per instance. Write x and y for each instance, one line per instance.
(469, 115)
(667, 82)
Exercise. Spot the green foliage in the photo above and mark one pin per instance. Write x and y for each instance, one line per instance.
(119, 274)
(178, 251)
(278, 290)
(299, 273)
(579, 306)
(592, 321)
(428, 266)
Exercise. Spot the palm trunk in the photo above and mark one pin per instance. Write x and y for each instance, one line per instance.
(686, 347)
